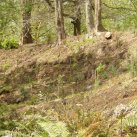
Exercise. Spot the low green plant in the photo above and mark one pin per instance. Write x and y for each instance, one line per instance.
(134, 104)
(5, 88)
(133, 68)
(24, 93)
(9, 44)
(78, 43)
(54, 129)
(99, 71)
(130, 121)
(29, 124)
(6, 65)
(113, 70)
(132, 63)
(130, 125)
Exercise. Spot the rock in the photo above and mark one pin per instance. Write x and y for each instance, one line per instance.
(108, 35)
(122, 110)
(87, 36)
(89, 87)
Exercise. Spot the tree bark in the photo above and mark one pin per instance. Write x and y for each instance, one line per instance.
(26, 29)
(77, 20)
(77, 27)
(89, 18)
(59, 21)
(98, 18)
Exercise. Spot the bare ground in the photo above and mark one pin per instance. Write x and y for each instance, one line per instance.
(38, 69)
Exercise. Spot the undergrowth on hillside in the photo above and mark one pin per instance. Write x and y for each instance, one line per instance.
(77, 43)
(61, 105)
(9, 44)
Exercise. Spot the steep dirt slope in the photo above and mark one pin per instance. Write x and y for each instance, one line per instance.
(60, 71)
(75, 83)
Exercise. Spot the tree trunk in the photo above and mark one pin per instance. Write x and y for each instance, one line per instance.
(59, 21)
(26, 30)
(77, 26)
(98, 23)
(89, 18)
(77, 19)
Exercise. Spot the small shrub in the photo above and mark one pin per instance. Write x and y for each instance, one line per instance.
(132, 63)
(133, 68)
(50, 37)
(113, 70)
(130, 124)
(100, 72)
(6, 65)
(54, 129)
(100, 69)
(9, 44)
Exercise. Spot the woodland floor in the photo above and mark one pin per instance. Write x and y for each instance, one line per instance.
(42, 78)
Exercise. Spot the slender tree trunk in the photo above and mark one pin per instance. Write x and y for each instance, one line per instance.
(77, 27)
(59, 21)
(26, 30)
(98, 23)
(89, 18)
(78, 18)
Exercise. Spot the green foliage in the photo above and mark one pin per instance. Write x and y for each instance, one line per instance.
(120, 15)
(9, 44)
(132, 62)
(134, 104)
(14, 133)
(6, 113)
(54, 129)
(6, 65)
(99, 72)
(27, 124)
(130, 121)
(5, 88)
(133, 67)
(42, 33)
(28, 6)
(77, 43)
(9, 19)
(100, 69)
(50, 38)
(130, 125)
(113, 70)
(127, 118)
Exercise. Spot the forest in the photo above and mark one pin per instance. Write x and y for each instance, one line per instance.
(68, 68)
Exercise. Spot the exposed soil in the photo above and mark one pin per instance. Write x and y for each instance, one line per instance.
(63, 82)
(59, 72)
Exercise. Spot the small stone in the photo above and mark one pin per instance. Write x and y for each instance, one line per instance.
(87, 36)
(121, 110)
(108, 35)
(89, 87)
(79, 105)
